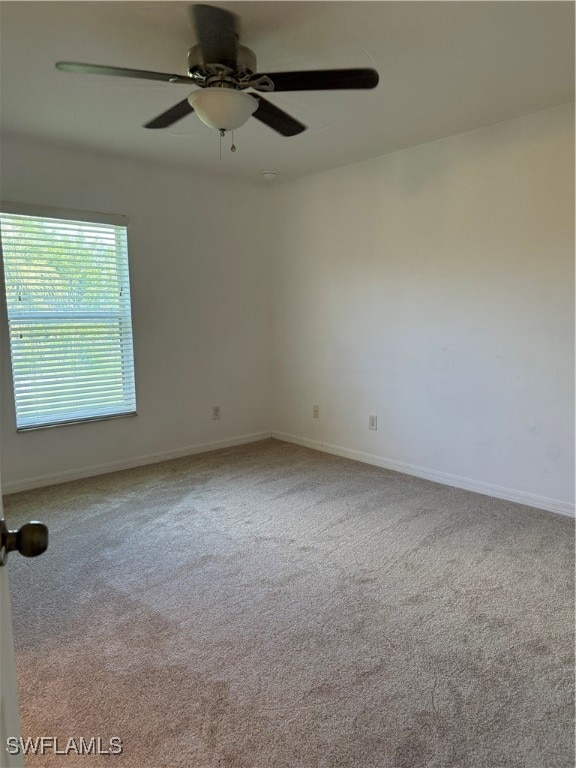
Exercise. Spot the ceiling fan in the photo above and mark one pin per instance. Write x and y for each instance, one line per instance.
(223, 70)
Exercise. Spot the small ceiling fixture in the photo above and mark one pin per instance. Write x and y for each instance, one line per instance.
(270, 175)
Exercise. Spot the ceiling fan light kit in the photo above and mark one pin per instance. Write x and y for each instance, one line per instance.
(223, 69)
(223, 108)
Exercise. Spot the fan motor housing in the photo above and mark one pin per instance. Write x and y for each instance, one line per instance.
(246, 63)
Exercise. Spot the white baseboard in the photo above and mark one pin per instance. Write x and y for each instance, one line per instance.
(137, 461)
(509, 494)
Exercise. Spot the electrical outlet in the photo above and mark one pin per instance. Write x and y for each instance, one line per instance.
(216, 412)
(315, 411)
(373, 421)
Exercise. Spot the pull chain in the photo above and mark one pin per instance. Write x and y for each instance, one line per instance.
(222, 135)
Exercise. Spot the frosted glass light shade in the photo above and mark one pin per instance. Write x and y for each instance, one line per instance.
(222, 108)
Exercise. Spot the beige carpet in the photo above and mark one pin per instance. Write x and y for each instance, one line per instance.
(269, 606)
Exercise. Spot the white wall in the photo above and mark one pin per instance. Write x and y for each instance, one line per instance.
(434, 287)
(199, 276)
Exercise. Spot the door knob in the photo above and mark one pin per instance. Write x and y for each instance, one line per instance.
(30, 540)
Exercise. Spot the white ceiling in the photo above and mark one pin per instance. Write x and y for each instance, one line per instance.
(445, 67)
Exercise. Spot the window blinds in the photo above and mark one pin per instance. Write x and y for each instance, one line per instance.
(68, 300)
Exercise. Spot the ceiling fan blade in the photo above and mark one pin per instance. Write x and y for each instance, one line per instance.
(276, 118)
(171, 116)
(217, 32)
(141, 74)
(323, 79)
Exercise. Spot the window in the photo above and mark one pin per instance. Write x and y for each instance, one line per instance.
(68, 301)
